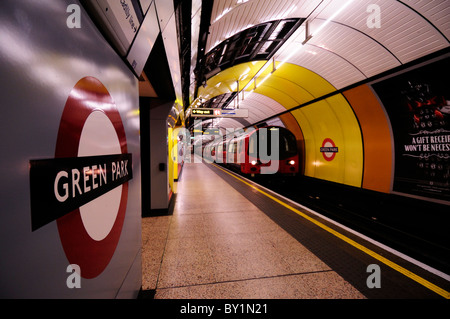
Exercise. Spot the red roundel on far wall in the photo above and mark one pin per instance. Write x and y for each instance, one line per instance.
(91, 125)
(328, 143)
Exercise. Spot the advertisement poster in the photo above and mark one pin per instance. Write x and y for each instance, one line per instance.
(418, 105)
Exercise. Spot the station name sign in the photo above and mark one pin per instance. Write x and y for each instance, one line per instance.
(214, 112)
(329, 149)
(61, 185)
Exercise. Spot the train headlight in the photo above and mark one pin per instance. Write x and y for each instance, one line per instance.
(253, 162)
(291, 162)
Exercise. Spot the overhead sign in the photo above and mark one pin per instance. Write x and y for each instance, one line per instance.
(119, 20)
(210, 112)
(144, 42)
(328, 149)
(85, 186)
(202, 112)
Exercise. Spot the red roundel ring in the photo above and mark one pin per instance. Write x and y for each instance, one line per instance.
(327, 143)
(91, 255)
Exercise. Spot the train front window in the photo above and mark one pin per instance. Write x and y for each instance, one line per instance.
(288, 145)
(253, 145)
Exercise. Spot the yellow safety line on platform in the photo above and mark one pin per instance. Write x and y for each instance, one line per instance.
(384, 260)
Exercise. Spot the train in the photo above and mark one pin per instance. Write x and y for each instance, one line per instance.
(264, 150)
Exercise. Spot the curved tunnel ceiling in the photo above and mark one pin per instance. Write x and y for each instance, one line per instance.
(347, 46)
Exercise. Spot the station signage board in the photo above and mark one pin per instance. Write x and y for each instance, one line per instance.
(119, 20)
(215, 112)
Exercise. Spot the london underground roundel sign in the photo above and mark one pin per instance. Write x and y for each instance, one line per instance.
(85, 187)
(328, 149)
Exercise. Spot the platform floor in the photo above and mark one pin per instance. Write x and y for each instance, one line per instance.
(220, 244)
(217, 244)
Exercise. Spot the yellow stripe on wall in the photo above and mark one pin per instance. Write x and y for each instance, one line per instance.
(333, 119)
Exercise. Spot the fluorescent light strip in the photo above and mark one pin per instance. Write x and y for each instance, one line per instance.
(332, 17)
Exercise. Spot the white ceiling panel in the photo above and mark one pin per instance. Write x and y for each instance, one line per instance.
(368, 56)
(402, 31)
(260, 107)
(328, 65)
(435, 11)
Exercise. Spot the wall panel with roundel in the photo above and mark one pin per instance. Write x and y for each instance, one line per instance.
(85, 187)
(328, 149)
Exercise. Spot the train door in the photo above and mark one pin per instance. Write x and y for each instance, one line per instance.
(232, 152)
(219, 153)
(242, 156)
